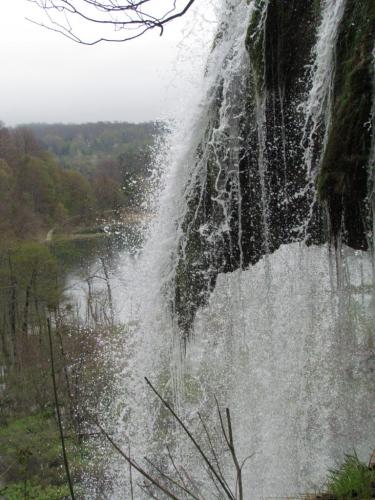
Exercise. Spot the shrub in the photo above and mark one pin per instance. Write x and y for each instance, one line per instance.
(353, 479)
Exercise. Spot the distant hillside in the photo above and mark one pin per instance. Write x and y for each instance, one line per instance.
(65, 176)
(83, 147)
(117, 151)
(36, 194)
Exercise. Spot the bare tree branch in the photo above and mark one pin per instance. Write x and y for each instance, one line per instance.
(212, 449)
(135, 465)
(192, 482)
(164, 481)
(194, 441)
(234, 456)
(130, 476)
(180, 476)
(135, 17)
(165, 476)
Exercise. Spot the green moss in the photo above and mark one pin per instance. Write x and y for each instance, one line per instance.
(255, 44)
(191, 284)
(342, 180)
(279, 41)
(317, 7)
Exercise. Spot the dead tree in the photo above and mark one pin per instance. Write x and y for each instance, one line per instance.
(128, 19)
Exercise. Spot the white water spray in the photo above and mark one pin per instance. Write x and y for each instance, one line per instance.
(318, 106)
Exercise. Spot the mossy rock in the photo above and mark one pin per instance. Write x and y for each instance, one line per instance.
(266, 209)
(343, 178)
(255, 44)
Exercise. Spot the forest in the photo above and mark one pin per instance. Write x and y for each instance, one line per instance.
(54, 205)
(64, 176)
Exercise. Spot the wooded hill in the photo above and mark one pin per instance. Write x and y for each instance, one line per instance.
(89, 147)
(59, 175)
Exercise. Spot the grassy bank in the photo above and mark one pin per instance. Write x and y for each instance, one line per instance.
(31, 459)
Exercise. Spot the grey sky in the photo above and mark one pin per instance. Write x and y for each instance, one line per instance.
(47, 78)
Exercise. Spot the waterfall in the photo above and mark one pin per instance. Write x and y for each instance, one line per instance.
(318, 105)
(256, 287)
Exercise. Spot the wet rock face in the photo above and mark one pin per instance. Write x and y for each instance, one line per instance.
(289, 37)
(343, 176)
(254, 191)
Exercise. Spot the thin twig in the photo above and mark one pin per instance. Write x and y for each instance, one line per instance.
(186, 490)
(194, 441)
(234, 456)
(135, 465)
(371, 462)
(8, 469)
(145, 487)
(242, 465)
(221, 422)
(192, 482)
(220, 497)
(130, 476)
(175, 467)
(212, 448)
(133, 18)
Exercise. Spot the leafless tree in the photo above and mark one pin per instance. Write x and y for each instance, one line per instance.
(128, 19)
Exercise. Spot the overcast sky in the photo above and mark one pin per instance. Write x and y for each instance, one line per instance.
(47, 78)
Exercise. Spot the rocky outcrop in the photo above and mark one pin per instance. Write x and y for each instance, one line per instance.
(254, 189)
(343, 176)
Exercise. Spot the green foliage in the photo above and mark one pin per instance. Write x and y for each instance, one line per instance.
(342, 180)
(113, 156)
(38, 178)
(32, 264)
(35, 192)
(352, 480)
(76, 254)
(26, 489)
(102, 169)
(255, 44)
(30, 286)
(23, 437)
(32, 279)
(31, 454)
(32, 457)
(81, 146)
(76, 194)
(108, 193)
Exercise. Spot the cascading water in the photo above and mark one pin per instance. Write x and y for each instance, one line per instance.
(238, 293)
(318, 105)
